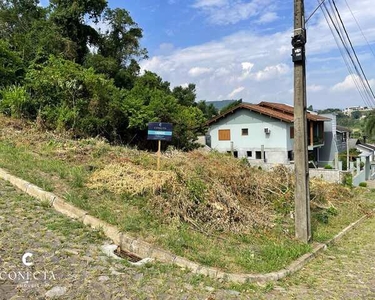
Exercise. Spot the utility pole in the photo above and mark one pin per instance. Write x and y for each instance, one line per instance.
(302, 192)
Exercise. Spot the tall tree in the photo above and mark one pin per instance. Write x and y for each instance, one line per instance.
(209, 110)
(370, 126)
(121, 40)
(11, 66)
(70, 17)
(185, 95)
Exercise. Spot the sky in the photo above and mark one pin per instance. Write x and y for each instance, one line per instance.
(234, 49)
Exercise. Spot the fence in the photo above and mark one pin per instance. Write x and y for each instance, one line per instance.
(334, 176)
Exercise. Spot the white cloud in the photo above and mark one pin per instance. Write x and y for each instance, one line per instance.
(347, 84)
(261, 62)
(271, 72)
(236, 91)
(198, 71)
(225, 12)
(247, 66)
(209, 3)
(315, 88)
(222, 72)
(267, 17)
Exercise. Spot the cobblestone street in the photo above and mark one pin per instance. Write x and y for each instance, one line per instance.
(67, 263)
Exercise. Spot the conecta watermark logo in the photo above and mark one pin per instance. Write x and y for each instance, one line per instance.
(29, 275)
(24, 259)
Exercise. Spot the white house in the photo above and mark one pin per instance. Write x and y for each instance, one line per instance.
(262, 132)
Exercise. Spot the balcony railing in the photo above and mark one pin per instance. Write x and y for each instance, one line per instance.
(318, 140)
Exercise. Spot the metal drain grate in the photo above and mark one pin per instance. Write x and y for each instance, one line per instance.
(127, 255)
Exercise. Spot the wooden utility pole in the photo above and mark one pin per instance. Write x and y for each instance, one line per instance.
(302, 192)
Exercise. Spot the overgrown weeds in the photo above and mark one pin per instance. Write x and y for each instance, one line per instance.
(208, 207)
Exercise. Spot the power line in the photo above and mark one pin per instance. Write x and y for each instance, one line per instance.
(355, 54)
(315, 10)
(347, 63)
(361, 91)
(364, 91)
(355, 19)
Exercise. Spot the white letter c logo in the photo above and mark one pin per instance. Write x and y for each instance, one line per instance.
(24, 259)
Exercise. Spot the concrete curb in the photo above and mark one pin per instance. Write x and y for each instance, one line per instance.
(144, 249)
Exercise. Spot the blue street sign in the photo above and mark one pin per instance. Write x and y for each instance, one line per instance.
(160, 131)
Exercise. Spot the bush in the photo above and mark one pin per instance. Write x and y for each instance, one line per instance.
(328, 167)
(363, 184)
(75, 99)
(348, 180)
(16, 102)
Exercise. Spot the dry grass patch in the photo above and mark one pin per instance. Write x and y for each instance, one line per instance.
(127, 178)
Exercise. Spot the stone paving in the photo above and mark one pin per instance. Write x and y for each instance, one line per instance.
(67, 263)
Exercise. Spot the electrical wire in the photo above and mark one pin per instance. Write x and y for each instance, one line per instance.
(363, 91)
(359, 79)
(355, 54)
(355, 19)
(315, 10)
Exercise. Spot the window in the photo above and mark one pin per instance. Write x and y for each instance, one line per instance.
(235, 153)
(249, 154)
(224, 135)
(258, 154)
(292, 132)
(290, 155)
(245, 131)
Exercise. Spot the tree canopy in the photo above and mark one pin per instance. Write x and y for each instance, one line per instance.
(57, 67)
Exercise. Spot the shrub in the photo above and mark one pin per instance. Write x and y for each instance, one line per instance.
(71, 97)
(16, 102)
(328, 167)
(348, 180)
(363, 184)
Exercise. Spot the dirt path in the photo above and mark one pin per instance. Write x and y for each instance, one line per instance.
(76, 268)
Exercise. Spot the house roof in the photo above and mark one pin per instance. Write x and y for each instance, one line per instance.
(290, 110)
(353, 143)
(278, 111)
(366, 145)
(343, 129)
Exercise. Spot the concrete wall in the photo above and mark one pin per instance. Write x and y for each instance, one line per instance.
(327, 175)
(334, 176)
(361, 177)
(268, 166)
(276, 144)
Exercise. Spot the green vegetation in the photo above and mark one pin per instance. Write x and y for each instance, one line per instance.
(328, 167)
(359, 122)
(230, 106)
(363, 184)
(257, 236)
(370, 127)
(49, 74)
(353, 155)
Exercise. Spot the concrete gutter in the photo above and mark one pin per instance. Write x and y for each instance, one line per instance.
(144, 249)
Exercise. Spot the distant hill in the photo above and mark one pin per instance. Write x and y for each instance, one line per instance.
(220, 104)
